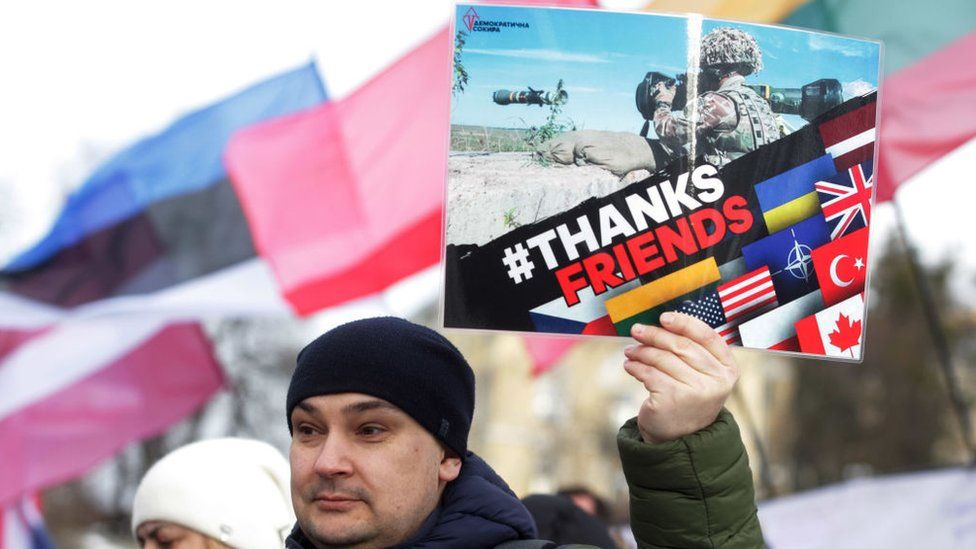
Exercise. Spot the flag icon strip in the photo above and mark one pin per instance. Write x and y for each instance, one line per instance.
(794, 183)
(849, 138)
(789, 344)
(652, 316)
(731, 270)
(852, 143)
(746, 294)
(776, 327)
(841, 266)
(600, 326)
(556, 316)
(708, 309)
(792, 212)
(787, 254)
(846, 199)
(836, 331)
(662, 290)
(808, 336)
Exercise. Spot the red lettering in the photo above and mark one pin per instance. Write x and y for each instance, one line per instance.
(626, 269)
(645, 257)
(569, 285)
(683, 240)
(599, 269)
(698, 224)
(738, 214)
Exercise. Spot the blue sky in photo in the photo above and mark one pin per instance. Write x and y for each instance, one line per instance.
(602, 56)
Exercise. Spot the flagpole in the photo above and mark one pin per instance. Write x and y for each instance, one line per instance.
(938, 337)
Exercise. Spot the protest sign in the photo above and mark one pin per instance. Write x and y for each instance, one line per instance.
(608, 167)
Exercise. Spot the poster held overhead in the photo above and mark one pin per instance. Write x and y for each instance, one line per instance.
(605, 168)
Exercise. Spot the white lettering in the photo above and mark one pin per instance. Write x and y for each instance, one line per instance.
(541, 242)
(571, 241)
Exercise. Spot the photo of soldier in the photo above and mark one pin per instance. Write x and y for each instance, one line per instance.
(726, 120)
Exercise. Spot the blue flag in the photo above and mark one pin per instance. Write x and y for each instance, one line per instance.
(185, 157)
(793, 184)
(787, 253)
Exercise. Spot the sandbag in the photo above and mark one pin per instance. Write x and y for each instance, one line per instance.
(618, 152)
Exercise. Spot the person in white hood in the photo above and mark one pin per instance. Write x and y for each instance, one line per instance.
(219, 493)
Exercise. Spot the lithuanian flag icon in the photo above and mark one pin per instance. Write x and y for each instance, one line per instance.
(646, 303)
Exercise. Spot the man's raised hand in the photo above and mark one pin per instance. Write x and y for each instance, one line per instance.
(688, 371)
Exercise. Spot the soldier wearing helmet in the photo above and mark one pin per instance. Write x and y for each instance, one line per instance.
(729, 119)
(732, 119)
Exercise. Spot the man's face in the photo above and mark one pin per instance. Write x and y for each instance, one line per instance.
(363, 472)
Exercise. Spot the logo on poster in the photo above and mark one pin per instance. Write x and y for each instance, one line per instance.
(469, 18)
(799, 263)
(475, 23)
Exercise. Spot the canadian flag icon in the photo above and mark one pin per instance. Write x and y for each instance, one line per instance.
(837, 331)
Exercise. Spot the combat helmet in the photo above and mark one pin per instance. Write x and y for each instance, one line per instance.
(729, 46)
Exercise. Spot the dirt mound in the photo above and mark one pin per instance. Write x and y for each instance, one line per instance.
(490, 194)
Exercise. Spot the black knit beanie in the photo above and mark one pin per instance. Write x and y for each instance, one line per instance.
(408, 365)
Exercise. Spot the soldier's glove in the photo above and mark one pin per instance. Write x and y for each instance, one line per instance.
(618, 152)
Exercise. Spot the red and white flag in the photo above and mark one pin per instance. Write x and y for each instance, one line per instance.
(927, 113)
(849, 138)
(77, 392)
(748, 295)
(836, 331)
(744, 297)
(361, 179)
(841, 266)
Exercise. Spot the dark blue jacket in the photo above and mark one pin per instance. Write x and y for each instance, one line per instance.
(477, 510)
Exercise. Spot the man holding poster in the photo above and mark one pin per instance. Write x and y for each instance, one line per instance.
(379, 411)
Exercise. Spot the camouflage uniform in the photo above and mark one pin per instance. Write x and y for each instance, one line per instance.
(732, 120)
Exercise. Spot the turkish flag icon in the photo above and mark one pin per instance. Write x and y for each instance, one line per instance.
(841, 266)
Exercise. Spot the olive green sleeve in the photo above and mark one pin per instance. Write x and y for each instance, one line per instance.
(694, 492)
